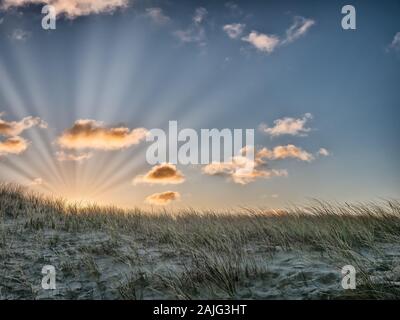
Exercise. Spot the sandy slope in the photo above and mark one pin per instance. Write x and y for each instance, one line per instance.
(109, 253)
(103, 265)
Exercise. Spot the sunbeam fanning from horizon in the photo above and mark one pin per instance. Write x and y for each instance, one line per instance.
(105, 72)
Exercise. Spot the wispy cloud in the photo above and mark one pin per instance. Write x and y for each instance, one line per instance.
(233, 8)
(288, 126)
(157, 15)
(19, 35)
(162, 174)
(199, 15)
(15, 128)
(79, 157)
(195, 31)
(298, 29)
(395, 44)
(91, 134)
(163, 198)
(234, 30)
(269, 42)
(72, 8)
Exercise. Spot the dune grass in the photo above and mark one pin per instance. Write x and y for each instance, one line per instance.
(110, 253)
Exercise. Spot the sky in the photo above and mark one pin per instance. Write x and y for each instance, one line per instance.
(77, 102)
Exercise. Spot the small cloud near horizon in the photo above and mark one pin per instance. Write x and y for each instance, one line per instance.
(163, 198)
(36, 182)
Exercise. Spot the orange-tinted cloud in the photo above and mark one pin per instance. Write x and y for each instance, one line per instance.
(15, 128)
(72, 8)
(284, 152)
(162, 174)
(91, 134)
(13, 145)
(163, 198)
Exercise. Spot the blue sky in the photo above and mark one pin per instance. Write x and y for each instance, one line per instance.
(149, 62)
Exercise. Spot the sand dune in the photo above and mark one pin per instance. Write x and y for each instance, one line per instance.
(108, 253)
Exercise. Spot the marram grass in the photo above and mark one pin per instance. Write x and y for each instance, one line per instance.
(111, 253)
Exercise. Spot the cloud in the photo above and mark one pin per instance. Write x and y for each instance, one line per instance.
(288, 126)
(233, 8)
(72, 8)
(13, 145)
(199, 15)
(263, 42)
(323, 152)
(234, 30)
(157, 15)
(268, 42)
(19, 35)
(63, 156)
(284, 152)
(191, 35)
(234, 169)
(36, 182)
(195, 33)
(15, 128)
(395, 45)
(91, 134)
(163, 198)
(162, 174)
(298, 29)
